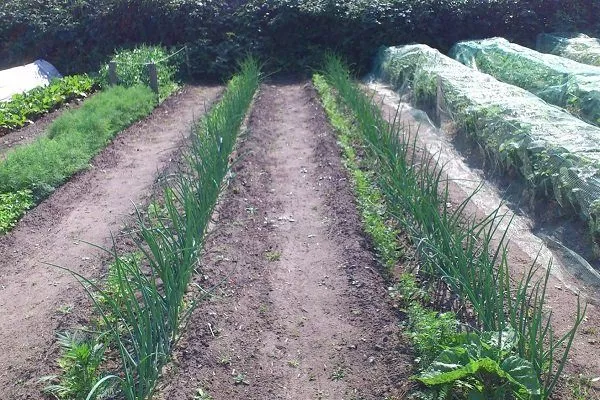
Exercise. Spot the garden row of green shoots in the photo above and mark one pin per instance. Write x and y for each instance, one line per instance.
(142, 307)
(504, 347)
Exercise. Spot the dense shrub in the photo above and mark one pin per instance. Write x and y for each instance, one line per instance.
(132, 69)
(290, 34)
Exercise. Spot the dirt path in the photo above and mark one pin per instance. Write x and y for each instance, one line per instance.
(28, 133)
(88, 208)
(525, 248)
(303, 312)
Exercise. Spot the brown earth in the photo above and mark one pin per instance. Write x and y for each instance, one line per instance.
(301, 310)
(28, 133)
(35, 298)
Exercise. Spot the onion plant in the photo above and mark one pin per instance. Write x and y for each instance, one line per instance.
(145, 308)
(469, 255)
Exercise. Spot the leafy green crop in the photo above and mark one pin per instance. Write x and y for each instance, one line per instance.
(73, 139)
(577, 47)
(12, 207)
(483, 367)
(31, 172)
(24, 107)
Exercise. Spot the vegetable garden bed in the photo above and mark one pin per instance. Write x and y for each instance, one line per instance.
(555, 153)
(559, 81)
(466, 257)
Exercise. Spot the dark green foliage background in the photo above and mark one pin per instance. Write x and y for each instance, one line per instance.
(78, 35)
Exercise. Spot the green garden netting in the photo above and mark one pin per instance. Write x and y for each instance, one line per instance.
(576, 46)
(556, 153)
(558, 80)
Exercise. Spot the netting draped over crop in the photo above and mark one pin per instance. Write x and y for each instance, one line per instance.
(558, 80)
(556, 153)
(578, 47)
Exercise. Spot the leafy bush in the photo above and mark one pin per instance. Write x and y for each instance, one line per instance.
(26, 106)
(132, 68)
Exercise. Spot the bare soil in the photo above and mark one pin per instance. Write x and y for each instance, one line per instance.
(525, 249)
(28, 133)
(299, 309)
(36, 299)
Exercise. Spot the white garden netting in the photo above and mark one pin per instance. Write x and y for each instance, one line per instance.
(556, 154)
(576, 46)
(563, 82)
(27, 77)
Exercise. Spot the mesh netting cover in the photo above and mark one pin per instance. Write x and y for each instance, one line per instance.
(578, 47)
(558, 80)
(556, 153)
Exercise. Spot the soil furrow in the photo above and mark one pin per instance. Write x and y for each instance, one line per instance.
(301, 311)
(37, 299)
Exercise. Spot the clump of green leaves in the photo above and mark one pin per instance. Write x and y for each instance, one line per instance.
(273, 255)
(12, 207)
(482, 367)
(29, 105)
(430, 332)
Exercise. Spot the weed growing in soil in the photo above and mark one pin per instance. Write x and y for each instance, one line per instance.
(201, 394)
(240, 378)
(459, 251)
(144, 307)
(80, 365)
(273, 256)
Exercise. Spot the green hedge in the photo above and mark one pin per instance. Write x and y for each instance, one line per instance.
(78, 36)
